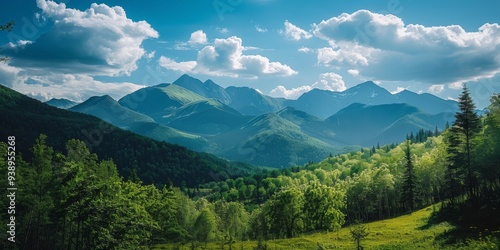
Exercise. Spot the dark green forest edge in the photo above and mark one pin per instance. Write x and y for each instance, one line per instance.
(70, 198)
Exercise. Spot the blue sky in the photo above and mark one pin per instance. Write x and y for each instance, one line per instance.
(77, 49)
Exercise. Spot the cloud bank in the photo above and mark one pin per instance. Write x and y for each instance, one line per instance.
(100, 41)
(383, 47)
(225, 58)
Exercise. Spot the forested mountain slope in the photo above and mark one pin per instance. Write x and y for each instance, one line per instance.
(155, 161)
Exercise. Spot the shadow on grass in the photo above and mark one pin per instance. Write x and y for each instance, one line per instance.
(472, 219)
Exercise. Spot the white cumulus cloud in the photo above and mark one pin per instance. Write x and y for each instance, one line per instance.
(353, 72)
(385, 48)
(294, 93)
(76, 87)
(225, 58)
(330, 81)
(62, 62)
(101, 40)
(198, 37)
(176, 66)
(346, 56)
(295, 33)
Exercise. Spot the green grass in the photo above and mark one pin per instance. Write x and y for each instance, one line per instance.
(405, 232)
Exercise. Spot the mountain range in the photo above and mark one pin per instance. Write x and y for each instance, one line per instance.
(153, 161)
(61, 103)
(239, 123)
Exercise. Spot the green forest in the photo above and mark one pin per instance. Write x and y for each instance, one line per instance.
(75, 199)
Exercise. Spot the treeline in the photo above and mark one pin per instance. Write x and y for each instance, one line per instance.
(472, 177)
(73, 200)
(372, 182)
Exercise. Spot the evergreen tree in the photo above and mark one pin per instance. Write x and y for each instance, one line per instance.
(38, 185)
(409, 185)
(467, 124)
(454, 171)
(358, 232)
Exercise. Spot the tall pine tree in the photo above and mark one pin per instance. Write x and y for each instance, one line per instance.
(409, 181)
(466, 125)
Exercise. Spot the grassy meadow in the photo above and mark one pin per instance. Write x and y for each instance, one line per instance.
(412, 231)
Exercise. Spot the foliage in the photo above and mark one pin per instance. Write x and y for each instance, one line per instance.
(358, 232)
(75, 201)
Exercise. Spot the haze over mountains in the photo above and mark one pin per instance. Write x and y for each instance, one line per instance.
(239, 123)
(154, 161)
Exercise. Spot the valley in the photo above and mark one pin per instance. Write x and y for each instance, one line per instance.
(252, 125)
(187, 199)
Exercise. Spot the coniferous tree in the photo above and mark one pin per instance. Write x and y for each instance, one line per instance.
(466, 125)
(358, 233)
(409, 179)
(454, 171)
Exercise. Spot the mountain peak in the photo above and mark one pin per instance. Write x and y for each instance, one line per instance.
(186, 76)
(98, 99)
(61, 103)
(103, 98)
(209, 81)
(368, 85)
(187, 80)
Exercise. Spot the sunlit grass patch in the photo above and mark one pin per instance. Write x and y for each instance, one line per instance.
(404, 232)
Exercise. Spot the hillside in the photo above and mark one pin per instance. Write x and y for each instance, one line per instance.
(159, 100)
(155, 161)
(369, 125)
(207, 117)
(250, 102)
(270, 140)
(111, 111)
